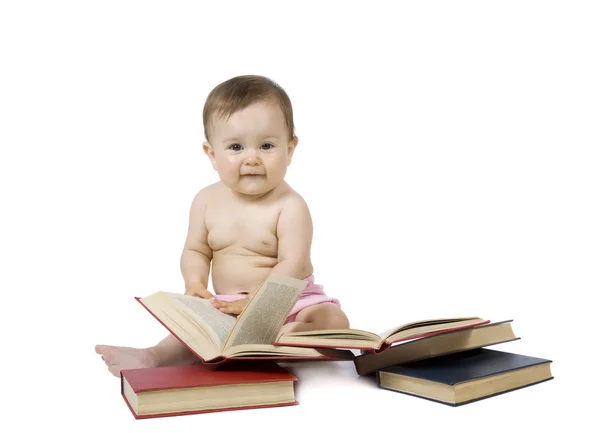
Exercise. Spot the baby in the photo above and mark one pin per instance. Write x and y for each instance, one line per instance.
(248, 225)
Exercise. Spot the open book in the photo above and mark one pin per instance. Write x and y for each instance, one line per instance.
(444, 343)
(358, 339)
(215, 336)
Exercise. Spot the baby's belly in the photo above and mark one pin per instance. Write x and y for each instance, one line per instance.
(239, 273)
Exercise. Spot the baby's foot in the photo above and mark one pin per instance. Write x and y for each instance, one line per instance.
(123, 358)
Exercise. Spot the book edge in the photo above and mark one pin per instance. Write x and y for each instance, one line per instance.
(369, 355)
(164, 415)
(452, 331)
(464, 402)
(383, 346)
(204, 361)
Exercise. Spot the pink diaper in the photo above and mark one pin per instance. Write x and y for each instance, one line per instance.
(313, 294)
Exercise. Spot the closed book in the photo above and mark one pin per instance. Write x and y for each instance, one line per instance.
(465, 377)
(191, 389)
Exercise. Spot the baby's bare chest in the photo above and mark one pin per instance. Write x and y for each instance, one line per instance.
(246, 229)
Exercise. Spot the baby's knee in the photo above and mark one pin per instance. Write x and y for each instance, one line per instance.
(335, 319)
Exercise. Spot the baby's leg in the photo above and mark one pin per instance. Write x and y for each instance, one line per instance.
(168, 352)
(315, 317)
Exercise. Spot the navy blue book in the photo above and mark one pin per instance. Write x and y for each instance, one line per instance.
(464, 377)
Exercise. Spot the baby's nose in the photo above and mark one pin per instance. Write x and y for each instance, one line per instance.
(252, 161)
(252, 158)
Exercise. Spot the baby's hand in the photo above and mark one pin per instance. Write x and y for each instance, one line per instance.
(233, 307)
(197, 289)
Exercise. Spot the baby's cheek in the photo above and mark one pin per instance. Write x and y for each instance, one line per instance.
(280, 172)
(231, 174)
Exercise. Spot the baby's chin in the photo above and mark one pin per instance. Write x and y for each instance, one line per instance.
(252, 187)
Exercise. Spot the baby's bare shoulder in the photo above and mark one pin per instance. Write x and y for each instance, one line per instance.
(203, 200)
(291, 199)
(208, 193)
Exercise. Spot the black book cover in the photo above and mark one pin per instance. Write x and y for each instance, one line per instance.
(463, 367)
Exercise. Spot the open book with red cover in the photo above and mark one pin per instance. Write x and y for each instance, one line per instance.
(368, 341)
(216, 337)
(444, 343)
(189, 389)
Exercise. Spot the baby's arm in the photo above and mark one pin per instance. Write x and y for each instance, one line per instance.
(196, 255)
(294, 232)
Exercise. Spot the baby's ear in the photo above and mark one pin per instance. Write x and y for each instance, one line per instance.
(291, 148)
(210, 153)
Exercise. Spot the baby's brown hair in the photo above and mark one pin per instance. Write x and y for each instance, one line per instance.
(239, 92)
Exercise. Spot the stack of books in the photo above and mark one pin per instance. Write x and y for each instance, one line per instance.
(444, 360)
(237, 366)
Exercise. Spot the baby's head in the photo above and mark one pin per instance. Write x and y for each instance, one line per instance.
(249, 131)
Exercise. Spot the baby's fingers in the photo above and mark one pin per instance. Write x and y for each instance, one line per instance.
(230, 309)
(218, 304)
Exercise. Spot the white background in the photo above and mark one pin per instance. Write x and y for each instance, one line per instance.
(448, 152)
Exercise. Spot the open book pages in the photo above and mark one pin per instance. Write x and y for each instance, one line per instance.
(209, 332)
(198, 324)
(436, 345)
(257, 350)
(265, 314)
(359, 339)
(352, 338)
(424, 327)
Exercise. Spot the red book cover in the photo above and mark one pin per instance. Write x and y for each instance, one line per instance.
(199, 375)
(343, 354)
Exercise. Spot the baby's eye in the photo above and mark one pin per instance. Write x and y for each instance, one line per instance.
(267, 146)
(236, 147)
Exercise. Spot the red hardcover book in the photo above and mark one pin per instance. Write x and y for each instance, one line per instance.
(216, 337)
(191, 389)
(377, 343)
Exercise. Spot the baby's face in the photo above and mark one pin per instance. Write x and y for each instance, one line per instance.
(251, 150)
